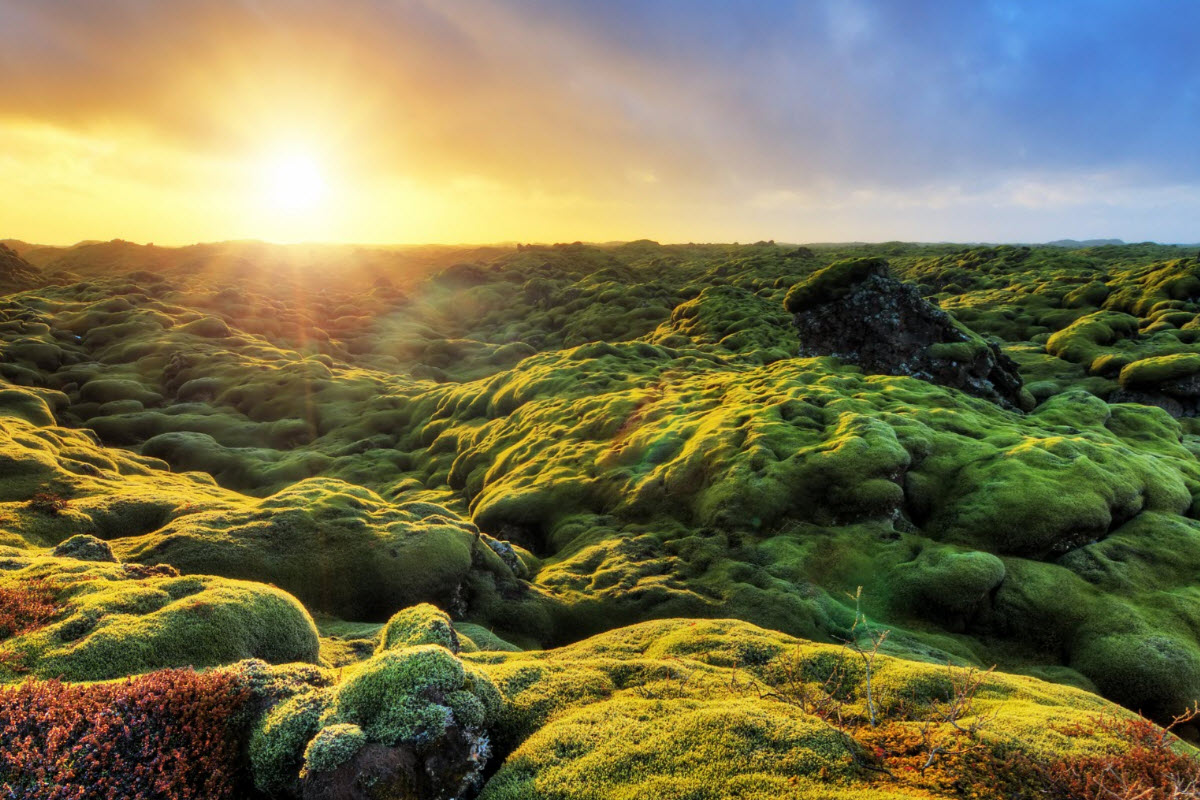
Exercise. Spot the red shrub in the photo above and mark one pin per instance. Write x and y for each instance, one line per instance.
(166, 735)
(49, 503)
(26, 606)
(1145, 767)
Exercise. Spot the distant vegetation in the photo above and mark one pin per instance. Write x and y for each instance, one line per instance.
(229, 457)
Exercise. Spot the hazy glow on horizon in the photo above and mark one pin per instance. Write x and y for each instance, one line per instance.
(409, 121)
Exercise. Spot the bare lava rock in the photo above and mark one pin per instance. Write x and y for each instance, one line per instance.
(856, 311)
(378, 772)
(1179, 398)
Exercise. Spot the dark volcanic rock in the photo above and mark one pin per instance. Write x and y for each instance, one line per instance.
(377, 772)
(854, 310)
(1171, 382)
(15, 272)
(1177, 400)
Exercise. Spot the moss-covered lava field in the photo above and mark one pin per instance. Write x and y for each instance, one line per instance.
(599, 521)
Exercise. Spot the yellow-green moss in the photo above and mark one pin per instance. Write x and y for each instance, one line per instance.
(420, 624)
(698, 708)
(114, 624)
(832, 282)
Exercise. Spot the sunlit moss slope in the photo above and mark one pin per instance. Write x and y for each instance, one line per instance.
(110, 621)
(710, 709)
(677, 708)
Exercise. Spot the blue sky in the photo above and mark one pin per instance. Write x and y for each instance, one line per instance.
(701, 120)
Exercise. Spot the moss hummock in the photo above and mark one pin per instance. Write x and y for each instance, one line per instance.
(701, 708)
(113, 622)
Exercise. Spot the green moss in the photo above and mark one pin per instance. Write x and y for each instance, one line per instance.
(112, 624)
(421, 624)
(476, 638)
(404, 696)
(1150, 372)
(340, 548)
(333, 746)
(1154, 674)
(209, 327)
(832, 282)
(674, 748)
(1085, 339)
(698, 708)
(104, 390)
(390, 695)
(279, 740)
(958, 351)
(27, 406)
(1091, 295)
(730, 320)
(943, 582)
(631, 419)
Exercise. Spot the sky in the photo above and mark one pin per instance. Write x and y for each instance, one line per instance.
(400, 121)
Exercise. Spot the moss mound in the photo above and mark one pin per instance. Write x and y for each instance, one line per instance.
(422, 624)
(339, 548)
(112, 621)
(704, 709)
(333, 746)
(1150, 372)
(421, 702)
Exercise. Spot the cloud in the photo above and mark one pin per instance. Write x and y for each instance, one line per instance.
(734, 105)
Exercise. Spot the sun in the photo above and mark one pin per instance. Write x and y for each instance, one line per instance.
(293, 181)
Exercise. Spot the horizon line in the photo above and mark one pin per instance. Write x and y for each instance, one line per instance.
(513, 243)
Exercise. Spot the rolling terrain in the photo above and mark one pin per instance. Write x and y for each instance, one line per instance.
(602, 521)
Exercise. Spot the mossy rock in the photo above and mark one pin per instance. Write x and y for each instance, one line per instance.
(341, 549)
(278, 742)
(1152, 372)
(27, 406)
(208, 327)
(832, 282)
(108, 390)
(111, 624)
(420, 624)
(85, 548)
(413, 695)
(1155, 674)
(419, 701)
(333, 746)
(941, 582)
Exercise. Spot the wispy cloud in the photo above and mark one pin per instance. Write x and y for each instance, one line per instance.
(709, 119)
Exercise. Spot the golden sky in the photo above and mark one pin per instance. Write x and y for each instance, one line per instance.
(401, 121)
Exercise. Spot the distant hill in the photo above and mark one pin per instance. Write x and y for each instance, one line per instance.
(1075, 244)
(322, 265)
(15, 272)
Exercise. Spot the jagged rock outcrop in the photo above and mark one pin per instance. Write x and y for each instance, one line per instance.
(856, 311)
(15, 272)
